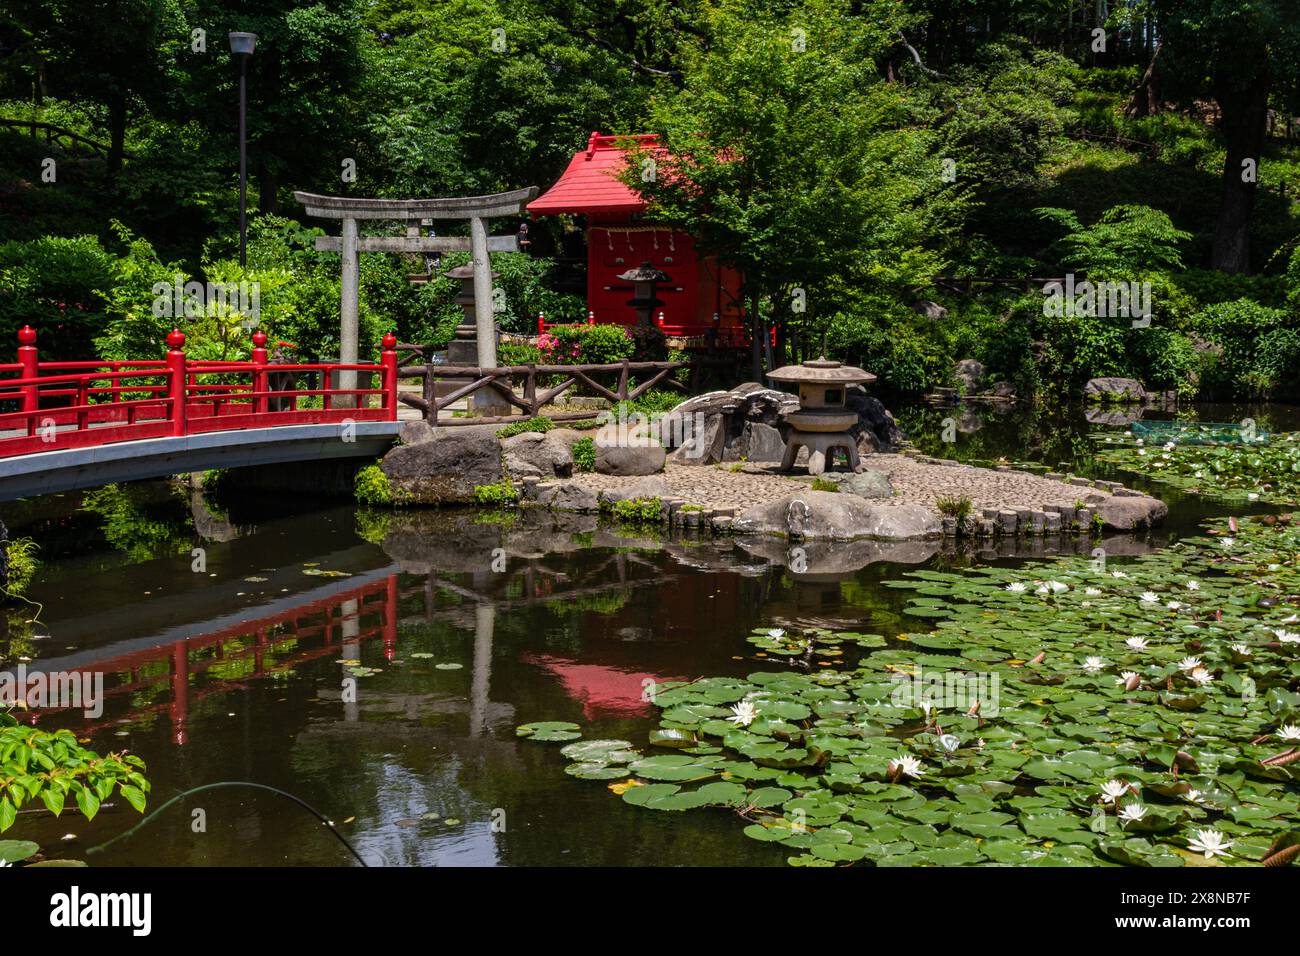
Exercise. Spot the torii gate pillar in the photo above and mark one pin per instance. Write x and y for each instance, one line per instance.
(477, 209)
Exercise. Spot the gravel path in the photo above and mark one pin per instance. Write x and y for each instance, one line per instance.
(717, 486)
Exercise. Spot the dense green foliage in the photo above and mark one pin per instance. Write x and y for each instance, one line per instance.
(844, 156)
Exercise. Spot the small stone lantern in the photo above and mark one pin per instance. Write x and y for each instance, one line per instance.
(822, 422)
(644, 278)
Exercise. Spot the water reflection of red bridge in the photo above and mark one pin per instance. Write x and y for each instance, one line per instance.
(257, 648)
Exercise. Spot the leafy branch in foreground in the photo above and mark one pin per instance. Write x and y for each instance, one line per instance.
(51, 765)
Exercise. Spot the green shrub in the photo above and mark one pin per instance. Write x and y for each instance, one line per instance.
(372, 487)
(501, 494)
(586, 345)
(637, 510)
(584, 454)
(21, 565)
(1257, 347)
(954, 507)
(538, 423)
(61, 288)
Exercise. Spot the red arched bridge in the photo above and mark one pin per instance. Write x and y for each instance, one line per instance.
(66, 425)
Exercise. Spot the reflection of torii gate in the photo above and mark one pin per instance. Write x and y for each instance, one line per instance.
(476, 209)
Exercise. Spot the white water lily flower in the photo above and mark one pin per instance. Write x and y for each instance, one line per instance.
(776, 633)
(1193, 585)
(1229, 542)
(1287, 637)
(1174, 605)
(1189, 663)
(1291, 619)
(1142, 451)
(1288, 732)
(1242, 649)
(1112, 790)
(1132, 813)
(1058, 586)
(1141, 442)
(1194, 796)
(1201, 676)
(1251, 496)
(949, 742)
(1125, 676)
(1137, 643)
(1093, 664)
(1017, 586)
(1118, 574)
(1092, 592)
(1170, 446)
(744, 713)
(1149, 597)
(1041, 589)
(1210, 843)
(909, 765)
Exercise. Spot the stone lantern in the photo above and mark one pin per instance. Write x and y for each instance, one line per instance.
(822, 422)
(644, 278)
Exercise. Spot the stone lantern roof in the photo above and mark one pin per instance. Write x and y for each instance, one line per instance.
(645, 272)
(822, 371)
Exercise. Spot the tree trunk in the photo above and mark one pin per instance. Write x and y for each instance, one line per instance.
(1244, 120)
(1145, 100)
(117, 132)
(756, 332)
(267, 190)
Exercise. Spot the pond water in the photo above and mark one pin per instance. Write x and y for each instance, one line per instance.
(224, 664)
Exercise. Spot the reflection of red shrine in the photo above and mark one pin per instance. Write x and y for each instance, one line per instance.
(701, 296)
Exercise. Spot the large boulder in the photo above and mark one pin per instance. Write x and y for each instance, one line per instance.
(747, 423)
(537, 454)
(1120, 391)
(825, 514)
(969, 373)
(1131, 512)
(445, 469)
(568, 496)
(876, 430)
(649, 487)
(639, 458)
(864, 484)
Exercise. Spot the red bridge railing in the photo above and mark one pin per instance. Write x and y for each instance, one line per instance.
(81, 404)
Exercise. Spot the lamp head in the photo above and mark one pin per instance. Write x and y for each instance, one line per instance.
(242, 44)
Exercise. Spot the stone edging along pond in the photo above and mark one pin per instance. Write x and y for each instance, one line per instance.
(840, 515)
(902, 496)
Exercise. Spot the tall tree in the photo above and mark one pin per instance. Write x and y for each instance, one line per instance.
(791, 158)
(1240, 53)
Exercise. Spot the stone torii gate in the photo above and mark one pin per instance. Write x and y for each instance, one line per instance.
(476, 209)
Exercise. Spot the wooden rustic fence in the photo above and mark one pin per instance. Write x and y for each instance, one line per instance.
(535, 394)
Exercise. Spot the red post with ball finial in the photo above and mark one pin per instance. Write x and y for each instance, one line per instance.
(388, 359)
(259, 371)
(176, 366)
(29, 362)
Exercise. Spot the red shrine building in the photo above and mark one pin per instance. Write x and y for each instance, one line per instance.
(701, 300)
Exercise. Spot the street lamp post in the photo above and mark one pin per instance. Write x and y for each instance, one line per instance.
(241, 45)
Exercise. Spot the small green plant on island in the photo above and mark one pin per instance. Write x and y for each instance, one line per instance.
(825, 484)
(500, 494)
(636, 510)
(584, 454)
(538, 423)
(957, 508)
(372, 487)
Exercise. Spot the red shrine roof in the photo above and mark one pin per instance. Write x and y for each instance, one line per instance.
(591, 183)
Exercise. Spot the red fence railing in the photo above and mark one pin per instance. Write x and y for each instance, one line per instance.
(62, 405)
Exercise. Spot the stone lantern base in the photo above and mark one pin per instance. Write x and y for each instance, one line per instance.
(821, 446)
